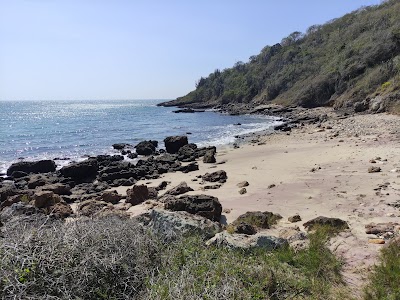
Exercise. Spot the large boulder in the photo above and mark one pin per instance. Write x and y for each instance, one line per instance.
(41, 166)
(241, 241)
(187, 153)
(80, 170)
(209, 157)
(174, 143)
(202, 205)
(180, 189)
(173, 223)
(137, 194)
(335, 223)
(146, 147)
(218, 176)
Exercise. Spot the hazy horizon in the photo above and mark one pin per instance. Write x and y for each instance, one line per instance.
(127, 50)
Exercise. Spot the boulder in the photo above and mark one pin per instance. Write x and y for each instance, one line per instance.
(7, 190)
(180, 189)
(176, 223)
(18, 174)
(162, 185)
(41, 166)
(58, 188)
(174, 143)
(189, 168)
(44, 199)
(36, 181)
(137, 194)
(209, 157)
(283, 127)
(218, 176)
(80, 170)
(110, 197)
(153, 192)
(121, 146)
(146, 147)
(325, 221)
(187, 153)
(202, 205)
(258, 219)
(242, 228)
(89, 208)
(241, 241)
(294, 219)
(60, 209)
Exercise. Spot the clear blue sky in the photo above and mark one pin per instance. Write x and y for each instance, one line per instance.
(120, 49)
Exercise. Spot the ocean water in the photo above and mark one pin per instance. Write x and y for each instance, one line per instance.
(71, 130)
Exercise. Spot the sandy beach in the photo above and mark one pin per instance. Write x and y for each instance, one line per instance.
(315, 170)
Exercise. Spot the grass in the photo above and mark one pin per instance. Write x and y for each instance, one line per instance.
(112, 258)
(384, 281)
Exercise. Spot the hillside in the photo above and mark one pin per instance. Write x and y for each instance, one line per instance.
(355, 58)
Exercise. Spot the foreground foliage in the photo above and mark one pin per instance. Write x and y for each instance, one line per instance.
(385, 278)
(118, 259)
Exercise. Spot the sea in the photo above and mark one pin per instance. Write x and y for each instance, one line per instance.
(73, 130)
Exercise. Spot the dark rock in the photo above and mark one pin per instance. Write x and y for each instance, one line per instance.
(121, 146)
(15, 199)
(202, 205)
(110, 197)
(189, 168)
(146, 147)
(218, 176)
(81, 170)
(243, 228)
(209, 157)
(184, 110)
(294, 219)
(374, 169)
(153, 192)
(132, 155)
(41, 166)
(137, 194)
(58, 188)
(7, 190)
(60, 209)
(174, 143)
(162, 185)
(36, 181)
(89, 208)
(258, 219)
(18, 209)
(283, 127)
(325, 221)
(187, 153)
(360, 106)
(18, 174)
(180, 189)
(243, 184)
(242, 191)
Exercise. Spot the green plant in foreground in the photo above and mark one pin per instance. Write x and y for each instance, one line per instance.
(385, 278)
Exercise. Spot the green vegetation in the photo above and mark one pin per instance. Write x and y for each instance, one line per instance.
(385, 278)
(347, 59)
(112, 258)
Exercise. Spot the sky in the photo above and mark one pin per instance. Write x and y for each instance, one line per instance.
(139, 49)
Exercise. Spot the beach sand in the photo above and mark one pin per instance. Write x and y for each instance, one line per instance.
(316, 170)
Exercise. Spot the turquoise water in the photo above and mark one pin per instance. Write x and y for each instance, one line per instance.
(73, 129)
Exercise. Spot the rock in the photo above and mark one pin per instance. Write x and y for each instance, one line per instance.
(360, 106)
(209, 158)
(181, 222)
(294, 219)
(180, 189)
(242, 191)
(18, 174)
(36, 181)
(60, 209)
(58, 188)
(187, 153)
(184, 110)
(258, 219)
(283, 127)
(44, 199)
(81, 170)
(153, 192)
(7, 190)
(240, 241)
(121, 146)
(41, 166)
(376, 241)
(297, 239)
(325, 221)
(174, 143)
(242, 184)
(146, 147)
(380, 228)
(110, 197)
(374, 169)
(162, 185)
(132, 155)
(218, 176)
(18, 209)
(271, 186)
(202, 205)
(242, 228)
(137, 194)
(189, 168)
(15, 199)
(89, 208)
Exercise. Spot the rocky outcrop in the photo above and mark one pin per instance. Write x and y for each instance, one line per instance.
(137, 194)
(80, 170)
(110, 197)
(41, 166)
(146, 147)
(58, 188)
(335, 223)
(257, 219)
(44, 199)
(174, 143)
(202, 205)
(176, 223)
(180, 189)
(218, 176)
(241, 241)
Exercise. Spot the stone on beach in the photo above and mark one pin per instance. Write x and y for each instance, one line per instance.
(174, 143)
(41, 166)
(137, 194)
